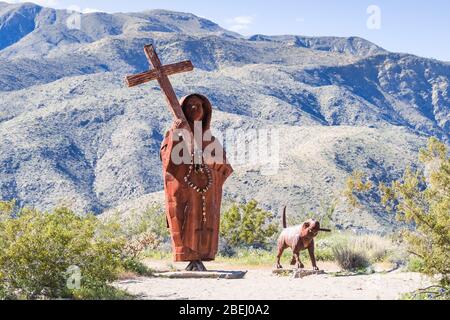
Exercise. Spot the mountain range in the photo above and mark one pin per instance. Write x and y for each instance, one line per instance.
(71, 132)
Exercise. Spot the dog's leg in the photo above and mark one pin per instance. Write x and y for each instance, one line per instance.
(313, 256)
(279, 254)
(297, 258)
(293, 260)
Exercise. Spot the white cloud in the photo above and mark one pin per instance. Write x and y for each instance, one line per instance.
(91, 10)
(246, 20)
(85, 10)
(240, 23)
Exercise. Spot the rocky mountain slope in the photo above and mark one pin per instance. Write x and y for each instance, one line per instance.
(71, 132)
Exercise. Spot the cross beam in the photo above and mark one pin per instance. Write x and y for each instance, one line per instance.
(162, 73)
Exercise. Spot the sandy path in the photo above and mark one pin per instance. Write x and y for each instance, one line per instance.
(260, 284)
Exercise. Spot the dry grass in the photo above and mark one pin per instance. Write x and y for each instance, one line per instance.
(350, 257)
(358, 252)
(377, 248)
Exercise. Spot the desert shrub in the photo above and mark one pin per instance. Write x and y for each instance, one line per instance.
(436, 292)
(104, 292)
(356, 185)
(350, 257)
(247, 225)
(151, 221)
(422, 198)
(38, 250)
(226, 249)
(135, 266)
(356, 252)
(143, 231)
(376, 247)
(138, 244)
(415, 264)
(325, 243)
(324, 250)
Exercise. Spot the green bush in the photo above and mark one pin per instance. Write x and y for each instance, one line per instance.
(38, 250)
(430, 293)
(151, 221)
(415, 264)
(422, 198)
(355, 187)
(324, 250)
(137, 267)
(247, 225)
(144, 231)
(104, 292)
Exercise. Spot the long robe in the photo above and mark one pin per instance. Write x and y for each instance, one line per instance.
(193, 239)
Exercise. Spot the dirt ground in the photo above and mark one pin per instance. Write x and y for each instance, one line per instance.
(261, 284)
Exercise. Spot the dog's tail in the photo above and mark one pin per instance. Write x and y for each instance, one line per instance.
(283, 218)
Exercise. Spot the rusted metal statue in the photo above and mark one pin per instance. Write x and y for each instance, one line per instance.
(194, 169)
(299, 238)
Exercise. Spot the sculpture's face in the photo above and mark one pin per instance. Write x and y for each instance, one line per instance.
(311, 229)
(193, 109)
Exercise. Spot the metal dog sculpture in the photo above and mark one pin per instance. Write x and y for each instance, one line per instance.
(299, 238)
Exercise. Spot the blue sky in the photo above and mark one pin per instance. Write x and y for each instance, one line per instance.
(413, 26)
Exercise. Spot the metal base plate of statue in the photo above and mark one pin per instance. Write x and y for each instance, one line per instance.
(228, 275)
(297, 273)
(193, 188)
